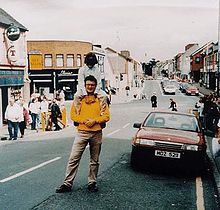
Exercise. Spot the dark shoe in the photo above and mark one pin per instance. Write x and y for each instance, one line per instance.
(10, 138)
(14, 138)
(63, 188)
(93, 187)
(103, 125)
(75, 123)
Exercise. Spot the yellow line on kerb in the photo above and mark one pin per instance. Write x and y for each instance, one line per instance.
(199, 194)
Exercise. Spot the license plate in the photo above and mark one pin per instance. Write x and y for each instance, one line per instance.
(167, 154)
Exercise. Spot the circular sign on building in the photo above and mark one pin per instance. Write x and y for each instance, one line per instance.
(13, 33)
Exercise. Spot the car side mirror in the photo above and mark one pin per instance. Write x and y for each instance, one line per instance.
(137, 125)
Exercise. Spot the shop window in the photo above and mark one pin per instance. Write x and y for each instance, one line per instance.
(79, 61)
(47, 60)
(70, 60)
(59, 60)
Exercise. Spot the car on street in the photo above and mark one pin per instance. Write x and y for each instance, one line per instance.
(192, 90)
(170, 89)
(183, 87)
(172, 138)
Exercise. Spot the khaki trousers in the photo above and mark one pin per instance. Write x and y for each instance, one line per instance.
(94, 139)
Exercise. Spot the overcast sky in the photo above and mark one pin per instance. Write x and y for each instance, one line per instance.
(156, 28)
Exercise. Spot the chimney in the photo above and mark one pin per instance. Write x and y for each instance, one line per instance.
(189, 46)
(125, 53)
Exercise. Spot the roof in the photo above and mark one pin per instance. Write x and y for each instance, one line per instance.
(6, 20)
(201, 48)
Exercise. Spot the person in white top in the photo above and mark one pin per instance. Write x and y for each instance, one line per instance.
(90, 68)
(44, 106)
(13, 115)
(34, 108)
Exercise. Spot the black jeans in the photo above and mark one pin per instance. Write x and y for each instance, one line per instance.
(13, 129)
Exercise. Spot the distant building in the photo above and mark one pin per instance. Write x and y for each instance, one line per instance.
(210, 65)
(13, 72)
(54, 65)
(185, 73)
(197, 63)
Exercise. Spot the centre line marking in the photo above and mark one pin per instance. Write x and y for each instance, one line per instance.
(113, 132)
(126, 125)
(29, 170)
(199, 194)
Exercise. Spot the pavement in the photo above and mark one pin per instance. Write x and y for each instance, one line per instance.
(121, 97)
(215, 161)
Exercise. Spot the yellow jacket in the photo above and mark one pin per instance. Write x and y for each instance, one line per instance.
(90, 109)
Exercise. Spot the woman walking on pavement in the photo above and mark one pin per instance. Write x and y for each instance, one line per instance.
(153, 100)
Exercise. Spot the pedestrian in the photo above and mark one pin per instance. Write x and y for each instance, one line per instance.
(127, 89)
(34, 109)
(200, 106)
(153, 100)
(13, 115)
(24, 120)
(89, 131)
(173, 105)
(44, 106)
(90, 68)
(55, 114)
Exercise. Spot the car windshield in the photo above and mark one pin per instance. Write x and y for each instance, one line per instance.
(170, 86)
(172, 121)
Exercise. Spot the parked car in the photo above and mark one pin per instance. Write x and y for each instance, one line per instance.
(169, 138)
(192, 90)
(170, 89)
(184, 86)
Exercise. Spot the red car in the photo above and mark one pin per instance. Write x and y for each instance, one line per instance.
(169, 137)
(192, 90)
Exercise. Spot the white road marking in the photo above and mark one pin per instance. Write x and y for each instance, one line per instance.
(113, 132)
(199, 194)
(126, 125)
(29, 170)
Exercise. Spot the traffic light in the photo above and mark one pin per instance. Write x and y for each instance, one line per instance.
(121, 76)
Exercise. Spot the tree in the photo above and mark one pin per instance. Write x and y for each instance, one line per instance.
(147, 67)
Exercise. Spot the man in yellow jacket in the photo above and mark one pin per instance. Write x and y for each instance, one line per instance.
(89, 131)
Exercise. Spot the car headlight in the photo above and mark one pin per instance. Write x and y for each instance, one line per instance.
(147, 142)
(191, 147)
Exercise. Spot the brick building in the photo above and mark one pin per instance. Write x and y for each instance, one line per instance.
(54, 65)
(13, 71)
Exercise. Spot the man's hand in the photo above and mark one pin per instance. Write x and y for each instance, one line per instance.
(90, 122)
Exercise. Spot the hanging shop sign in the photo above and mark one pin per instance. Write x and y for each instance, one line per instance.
(13, 33)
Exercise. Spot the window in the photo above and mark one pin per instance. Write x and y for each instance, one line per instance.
(47, 60)
(70, 60)
(59, 60)
(78, 61)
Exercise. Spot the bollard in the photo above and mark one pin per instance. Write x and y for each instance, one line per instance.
(43, 121)
(64, 120)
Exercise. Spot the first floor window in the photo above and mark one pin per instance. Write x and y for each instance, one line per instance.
(59, 60)
(47, 60)
(78, 61)
(70, 60)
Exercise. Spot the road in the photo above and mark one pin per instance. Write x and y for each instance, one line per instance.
(32, 169)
